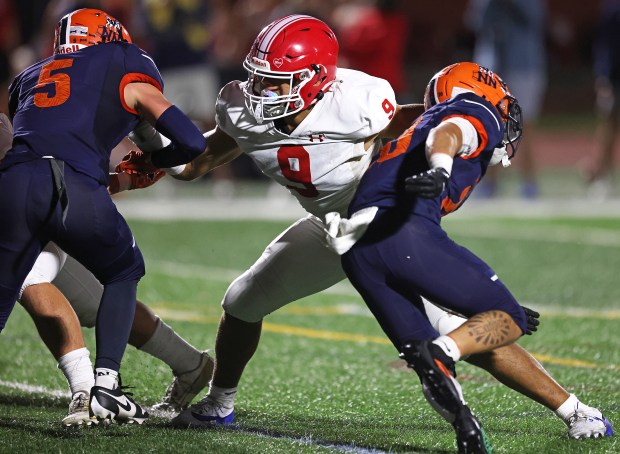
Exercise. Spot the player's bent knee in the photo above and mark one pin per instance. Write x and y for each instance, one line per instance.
(242, 302)
(517, 314)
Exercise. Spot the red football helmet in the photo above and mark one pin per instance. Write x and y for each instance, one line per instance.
(87, 27)
(471, 77)
(298, 50)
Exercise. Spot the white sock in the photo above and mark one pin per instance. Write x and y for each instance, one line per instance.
(224, 396)
(447, 344)
(172, 349)
(78, 369)
(569, 406)
(106, 378)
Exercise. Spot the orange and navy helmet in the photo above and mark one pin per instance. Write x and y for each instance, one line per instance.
(87, 27)
(470, 77)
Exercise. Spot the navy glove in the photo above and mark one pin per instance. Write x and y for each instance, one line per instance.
(532, 320)
(429, 184)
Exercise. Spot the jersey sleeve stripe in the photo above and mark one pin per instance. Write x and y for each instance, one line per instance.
(135, 77)
(480, 129)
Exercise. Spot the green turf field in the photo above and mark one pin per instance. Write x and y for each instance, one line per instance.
(324, 378)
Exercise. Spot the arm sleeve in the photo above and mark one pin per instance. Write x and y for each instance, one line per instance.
(187, 141)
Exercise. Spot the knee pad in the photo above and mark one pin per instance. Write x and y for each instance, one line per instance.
(442, 320)
(244, 300)
(46, 268)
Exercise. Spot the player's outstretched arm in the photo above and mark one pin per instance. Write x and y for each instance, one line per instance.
(221, 149)
(150, 103)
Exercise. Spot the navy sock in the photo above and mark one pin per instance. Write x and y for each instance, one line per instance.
(114, 321)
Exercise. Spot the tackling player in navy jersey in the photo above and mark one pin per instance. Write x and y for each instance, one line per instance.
(395, 251)
(68, 112)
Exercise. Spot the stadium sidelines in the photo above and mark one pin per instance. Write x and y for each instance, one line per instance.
(196, 271)
(285, 207)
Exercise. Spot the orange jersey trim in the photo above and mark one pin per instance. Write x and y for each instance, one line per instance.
(390, 151)
(482, 134)
(135, 77)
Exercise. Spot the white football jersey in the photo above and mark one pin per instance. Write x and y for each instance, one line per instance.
(323, 159)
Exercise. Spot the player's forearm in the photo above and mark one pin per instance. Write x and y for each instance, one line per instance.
(206, 162)
(187, 141)
(442, 145)
(404, 116)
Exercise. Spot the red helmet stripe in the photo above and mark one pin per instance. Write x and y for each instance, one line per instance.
(274, 29)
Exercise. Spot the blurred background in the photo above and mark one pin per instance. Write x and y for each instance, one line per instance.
(560, 58)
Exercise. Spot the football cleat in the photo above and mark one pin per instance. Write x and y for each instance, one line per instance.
(186, 386)
(437, 371)
(588, 422)
(113, 405)
(470, 436)
(78, 411)
(205, 413)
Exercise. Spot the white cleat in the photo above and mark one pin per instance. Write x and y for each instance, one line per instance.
(588, 422)
(186, 386)
(205, 413)
(78, 411)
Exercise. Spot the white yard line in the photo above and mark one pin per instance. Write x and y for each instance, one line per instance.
(285, 207)
(35, 389)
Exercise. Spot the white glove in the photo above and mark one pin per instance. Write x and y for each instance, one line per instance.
(343, 233)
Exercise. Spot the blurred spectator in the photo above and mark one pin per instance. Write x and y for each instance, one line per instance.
(607, 85)
(179, 37)
(9, 40)
(510, 39)
(373, 38)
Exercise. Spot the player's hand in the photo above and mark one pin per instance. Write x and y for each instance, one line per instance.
(128, 181)
(532, 320)
(136, 161)
(429, 184)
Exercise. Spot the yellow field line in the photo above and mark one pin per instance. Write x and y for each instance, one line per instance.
(321, 334)
(291, 330)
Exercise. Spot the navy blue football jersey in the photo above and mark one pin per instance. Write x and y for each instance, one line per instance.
(383, 183)
(71, 106)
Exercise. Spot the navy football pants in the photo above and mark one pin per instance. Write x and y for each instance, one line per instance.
(94, 233)
(417, 258)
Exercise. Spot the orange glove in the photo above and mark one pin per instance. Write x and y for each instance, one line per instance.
(124, 181)
(136, 162)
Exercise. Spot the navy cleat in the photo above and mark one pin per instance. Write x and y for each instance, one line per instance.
(113, 405)
(437, 373)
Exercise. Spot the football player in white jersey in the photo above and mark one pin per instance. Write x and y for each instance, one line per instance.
(61, 295)
(313, 128)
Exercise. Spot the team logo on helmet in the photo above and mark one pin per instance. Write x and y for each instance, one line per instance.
(87, 27)
(466, 77)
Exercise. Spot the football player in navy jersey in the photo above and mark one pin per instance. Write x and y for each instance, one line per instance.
(395, 252)
(313, 127)
(68, 112)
